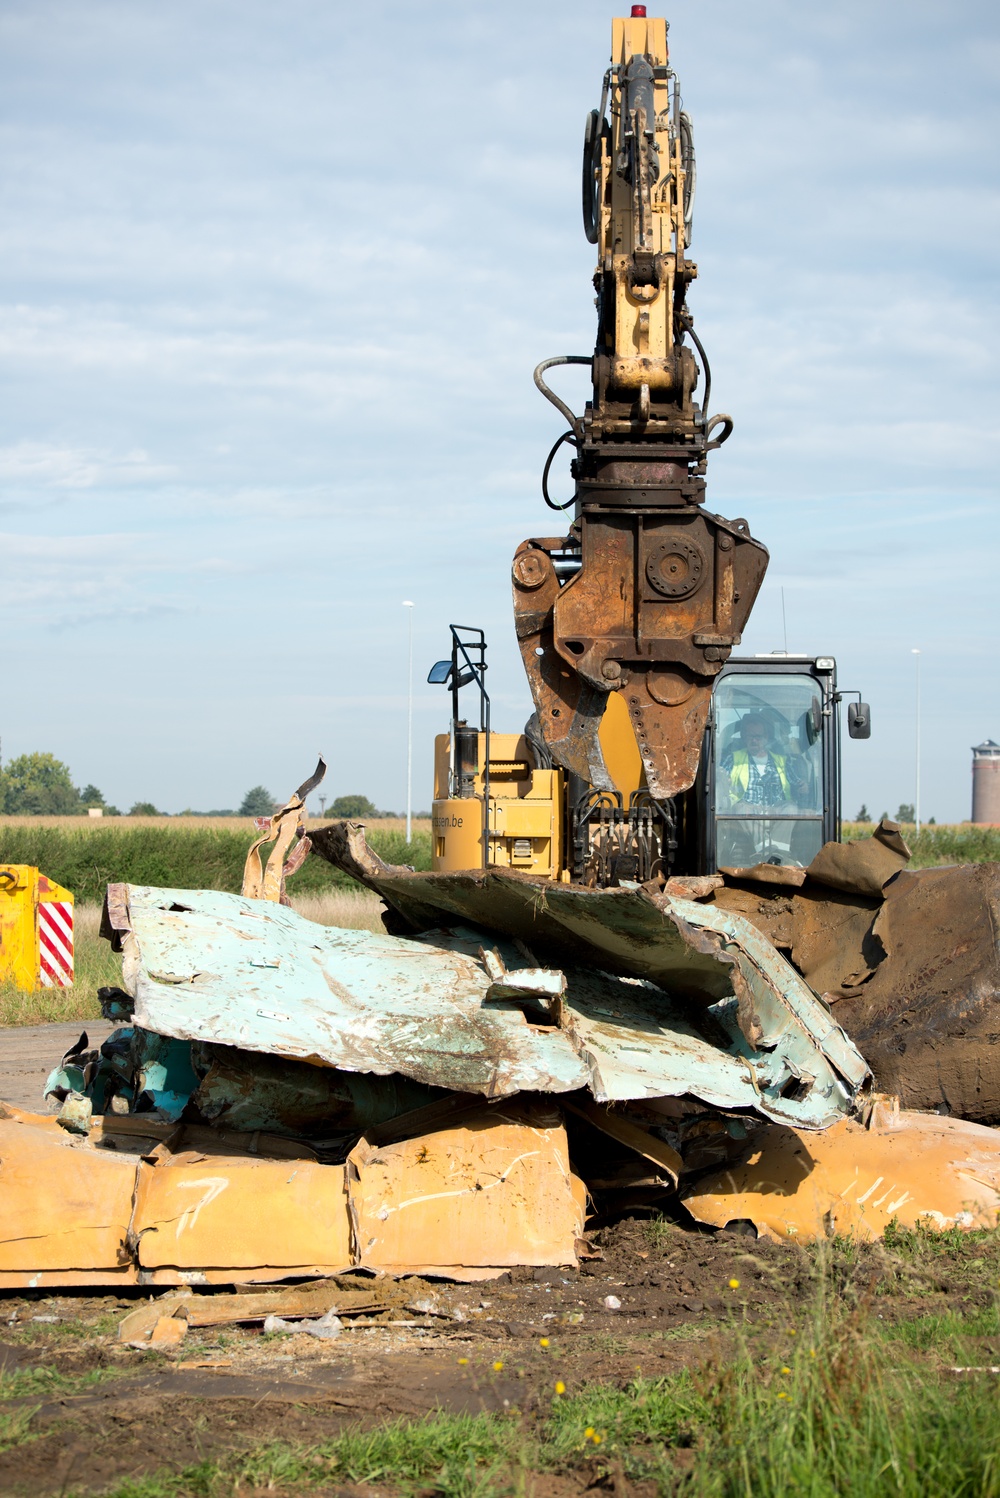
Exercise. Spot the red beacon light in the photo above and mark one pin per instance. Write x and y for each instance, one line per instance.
(638, 12)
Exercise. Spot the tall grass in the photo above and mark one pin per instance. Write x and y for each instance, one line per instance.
(87, 858)
(932, 846)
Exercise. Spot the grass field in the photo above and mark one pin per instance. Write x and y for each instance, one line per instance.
(243, 824)
(932, 846)
(175, 853)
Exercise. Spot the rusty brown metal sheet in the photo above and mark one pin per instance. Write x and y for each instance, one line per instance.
(908, 959)
(831, 939)
(928, 1017)
(863, 867)
(767, 873)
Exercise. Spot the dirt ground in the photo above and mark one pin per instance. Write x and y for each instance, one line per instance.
(105, 1413)
(146, 1411)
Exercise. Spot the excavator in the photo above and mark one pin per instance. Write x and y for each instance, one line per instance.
(652, 750)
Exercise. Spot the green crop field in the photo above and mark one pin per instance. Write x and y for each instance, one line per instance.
(962, 842)
(86, 856)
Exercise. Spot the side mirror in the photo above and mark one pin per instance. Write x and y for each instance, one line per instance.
(439, 673)
(859, 720)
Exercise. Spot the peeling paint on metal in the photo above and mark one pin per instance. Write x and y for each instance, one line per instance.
(664, 998)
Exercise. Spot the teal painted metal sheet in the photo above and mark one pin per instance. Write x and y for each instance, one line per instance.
(721, 1020)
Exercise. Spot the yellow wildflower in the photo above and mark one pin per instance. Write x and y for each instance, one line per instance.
(734, 1284)
(560, 1386)
(462, 1362)
(543, 1341)
(498, 1366)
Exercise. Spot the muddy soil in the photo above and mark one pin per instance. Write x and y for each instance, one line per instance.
(105, 1412)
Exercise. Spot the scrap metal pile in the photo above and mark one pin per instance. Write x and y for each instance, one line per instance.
(512, 1058)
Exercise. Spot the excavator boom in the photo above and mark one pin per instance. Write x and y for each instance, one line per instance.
(648, 592)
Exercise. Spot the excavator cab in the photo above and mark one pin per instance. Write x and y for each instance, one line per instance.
(768, 788)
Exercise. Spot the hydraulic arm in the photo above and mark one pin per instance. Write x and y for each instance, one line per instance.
(649, 592)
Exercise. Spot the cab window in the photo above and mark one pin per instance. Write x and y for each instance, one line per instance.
(768, 769)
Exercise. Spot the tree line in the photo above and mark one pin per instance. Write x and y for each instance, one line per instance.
(39, 785)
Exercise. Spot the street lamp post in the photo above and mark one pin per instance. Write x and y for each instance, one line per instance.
(916, 804)
(408, 604)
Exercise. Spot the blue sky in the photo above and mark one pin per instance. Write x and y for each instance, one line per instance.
(274, 280)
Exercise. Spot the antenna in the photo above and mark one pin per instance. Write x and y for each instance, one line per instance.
(784, 624)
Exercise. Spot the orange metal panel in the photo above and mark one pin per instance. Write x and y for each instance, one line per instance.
(495, 1190)
(918, 1168)
(241, 1212)
(65, 1205)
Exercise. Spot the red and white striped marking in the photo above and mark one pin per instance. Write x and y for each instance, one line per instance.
(55, 943)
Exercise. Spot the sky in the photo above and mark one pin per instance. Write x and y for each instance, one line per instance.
(273, 283)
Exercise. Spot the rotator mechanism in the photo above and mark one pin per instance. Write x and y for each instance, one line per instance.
(649, 592)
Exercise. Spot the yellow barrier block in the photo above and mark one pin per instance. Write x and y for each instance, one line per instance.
(36, 929)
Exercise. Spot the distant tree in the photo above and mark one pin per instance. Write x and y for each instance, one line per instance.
(906, 812)
(353, 807)
(884, 817)
(862, 815)
(258, 802)
(39, 785)
(91, 796)
(144, 809)
(932, 821)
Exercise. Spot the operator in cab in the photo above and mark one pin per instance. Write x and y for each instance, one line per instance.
(757, 778)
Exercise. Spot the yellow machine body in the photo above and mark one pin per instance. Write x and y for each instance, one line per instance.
(643, 344)
(521, 826)
(525, 827)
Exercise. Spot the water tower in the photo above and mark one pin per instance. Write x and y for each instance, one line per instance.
(986, 784)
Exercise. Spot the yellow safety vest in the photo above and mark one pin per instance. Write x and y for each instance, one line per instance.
(739, 775)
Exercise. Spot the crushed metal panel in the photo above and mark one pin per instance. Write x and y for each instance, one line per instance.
(863, 867)
(802, 1063)
(494, 1190)
(215, 967)
(832, 944)
(203, 965)
(240, 1213)
(65, 1205)
(919, 1169)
